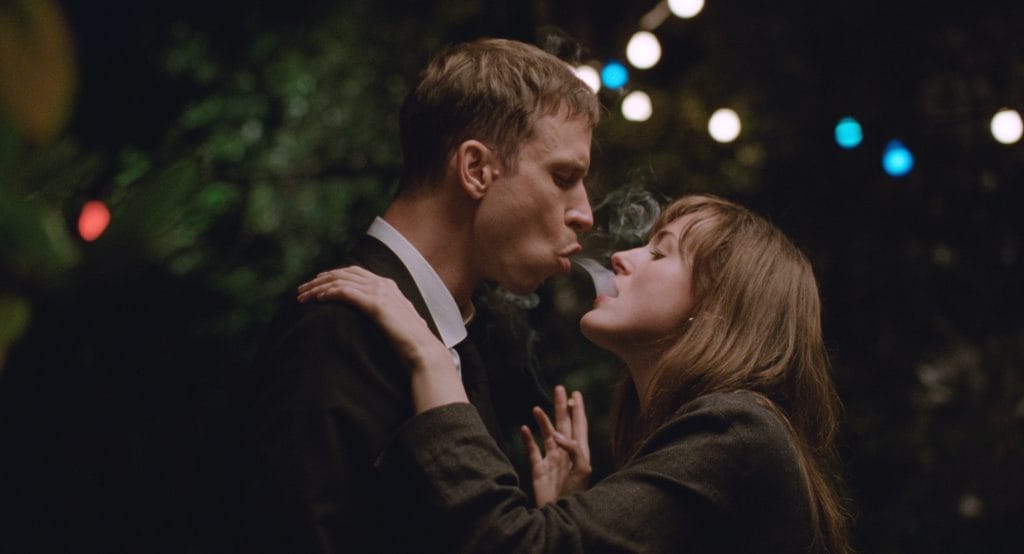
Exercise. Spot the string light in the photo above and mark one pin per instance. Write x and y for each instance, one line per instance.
(614, 75)
(724, 125)
(589, 76)
(636, 106)
(897, 160)
(643, 50)
(685, 8)
(1007, 127)
(93, 220)
(848, 133)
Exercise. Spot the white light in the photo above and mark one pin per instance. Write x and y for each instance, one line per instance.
(643, 50)
(636, 106)
(685, 8)
(1007, 126)
(724, 125)
(589, 76)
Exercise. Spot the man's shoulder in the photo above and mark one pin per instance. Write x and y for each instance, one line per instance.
(333, 324)
(289, 313)
(332, 351)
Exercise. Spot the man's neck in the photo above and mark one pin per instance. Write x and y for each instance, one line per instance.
(440, 231)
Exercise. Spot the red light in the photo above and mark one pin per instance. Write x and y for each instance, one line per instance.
(94, 220)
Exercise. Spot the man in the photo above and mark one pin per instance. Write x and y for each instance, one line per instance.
(496, 142)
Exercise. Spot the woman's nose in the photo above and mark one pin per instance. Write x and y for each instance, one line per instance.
(619, 262)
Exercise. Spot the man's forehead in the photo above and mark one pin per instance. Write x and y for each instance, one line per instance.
(564, 140)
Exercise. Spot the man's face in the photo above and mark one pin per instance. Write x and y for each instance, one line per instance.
(528, 221)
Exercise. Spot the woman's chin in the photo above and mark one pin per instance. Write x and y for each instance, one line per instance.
(591, 329)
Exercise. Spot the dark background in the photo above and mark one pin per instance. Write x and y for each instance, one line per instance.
(240, 147)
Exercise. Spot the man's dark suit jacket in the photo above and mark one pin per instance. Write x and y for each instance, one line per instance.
(329, 396)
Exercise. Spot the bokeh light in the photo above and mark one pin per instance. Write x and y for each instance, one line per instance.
(614, 75)
(724, 125)
(849, 133)
(685, 8)
(93, 220)
(643, 50)
(897, 159)
(589, 76)
(1007, 126)
(636, 106)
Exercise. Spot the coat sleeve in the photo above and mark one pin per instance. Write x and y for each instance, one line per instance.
(683, 492)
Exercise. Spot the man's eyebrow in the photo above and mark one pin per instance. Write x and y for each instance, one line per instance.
(571, 165)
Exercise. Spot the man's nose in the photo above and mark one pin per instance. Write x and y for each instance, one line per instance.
(579, 216)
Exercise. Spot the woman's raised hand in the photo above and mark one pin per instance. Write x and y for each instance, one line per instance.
(564, 467)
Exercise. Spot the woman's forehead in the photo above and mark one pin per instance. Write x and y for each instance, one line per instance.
(687, 223)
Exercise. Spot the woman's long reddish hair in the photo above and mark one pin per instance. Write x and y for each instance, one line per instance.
(756, 326)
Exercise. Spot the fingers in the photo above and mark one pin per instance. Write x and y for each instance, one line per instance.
(547, 430)
(580, 460)
(327, 284)
(346, 283)
(532, 450)
(350, 273)
(562, 421)
(579, 423)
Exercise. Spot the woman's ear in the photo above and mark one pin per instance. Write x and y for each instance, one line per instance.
(476, 167)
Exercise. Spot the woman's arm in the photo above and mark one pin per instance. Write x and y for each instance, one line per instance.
(563, 467)
(721, 477)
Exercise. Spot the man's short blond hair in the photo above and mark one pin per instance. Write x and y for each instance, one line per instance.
(491, 90)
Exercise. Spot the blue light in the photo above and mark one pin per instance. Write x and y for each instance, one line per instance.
(614, 75)
(897, 160)
(848, 133)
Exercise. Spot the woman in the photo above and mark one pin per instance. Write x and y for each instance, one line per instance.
(723, 428)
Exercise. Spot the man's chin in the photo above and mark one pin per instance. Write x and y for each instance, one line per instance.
(521, 290)
(522, 287)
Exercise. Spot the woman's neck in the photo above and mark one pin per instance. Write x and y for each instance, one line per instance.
(641, 368)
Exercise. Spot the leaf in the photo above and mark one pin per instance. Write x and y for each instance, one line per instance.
(37, 67)
(36, 246)
(15, 314)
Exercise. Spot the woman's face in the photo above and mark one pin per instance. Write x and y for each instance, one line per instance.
(655, 295)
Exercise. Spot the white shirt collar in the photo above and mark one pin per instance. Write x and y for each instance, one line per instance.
(440, 303)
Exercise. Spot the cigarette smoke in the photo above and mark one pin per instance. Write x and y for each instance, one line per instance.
(630, 213)
(600, 275)
(633, 211)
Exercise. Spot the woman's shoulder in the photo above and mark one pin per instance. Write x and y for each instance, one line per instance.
(731, 457)
(741, 422)
(741, 409)
(733, 450)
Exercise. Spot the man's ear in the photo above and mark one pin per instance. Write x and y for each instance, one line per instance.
(476, 167)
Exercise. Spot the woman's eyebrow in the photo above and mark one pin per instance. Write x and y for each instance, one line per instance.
(662, 235)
